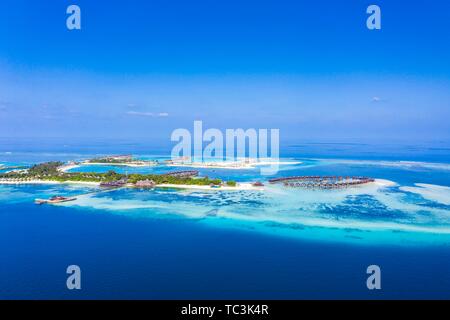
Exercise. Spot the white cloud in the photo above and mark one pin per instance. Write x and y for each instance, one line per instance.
(137, 113)
(376, 99)
(148, 114)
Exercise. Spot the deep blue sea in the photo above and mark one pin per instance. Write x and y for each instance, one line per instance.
(276, 244)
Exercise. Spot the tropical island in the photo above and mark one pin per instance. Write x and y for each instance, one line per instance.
(59, 172)
(49, 172)
(121, 160)
(240, 163)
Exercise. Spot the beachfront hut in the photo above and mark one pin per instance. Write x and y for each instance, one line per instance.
(145, 184)
(113, 184)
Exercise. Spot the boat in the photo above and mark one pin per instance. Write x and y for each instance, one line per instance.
(54, 199)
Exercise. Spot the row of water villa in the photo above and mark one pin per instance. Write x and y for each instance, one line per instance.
(322, 182)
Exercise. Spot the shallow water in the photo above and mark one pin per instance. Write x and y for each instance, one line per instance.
(277, 243)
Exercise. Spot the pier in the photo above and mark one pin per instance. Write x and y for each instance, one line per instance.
(182, 174)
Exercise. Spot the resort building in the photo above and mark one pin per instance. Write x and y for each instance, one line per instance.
(126, 157)
(145, 184)
(113, 184)
(322, 182)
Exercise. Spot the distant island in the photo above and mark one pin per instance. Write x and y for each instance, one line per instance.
(121, 160)
(241, 163)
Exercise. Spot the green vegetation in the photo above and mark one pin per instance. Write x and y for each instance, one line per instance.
(160, 179)
(49, 171)
(231, 183)
(45, 169)
(123, 160)
(110, 160)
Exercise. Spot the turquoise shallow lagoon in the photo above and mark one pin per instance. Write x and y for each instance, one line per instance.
(276, 243)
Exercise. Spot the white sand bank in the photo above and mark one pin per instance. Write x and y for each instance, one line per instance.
(431, 192)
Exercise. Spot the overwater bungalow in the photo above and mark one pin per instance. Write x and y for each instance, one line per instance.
(321, 182)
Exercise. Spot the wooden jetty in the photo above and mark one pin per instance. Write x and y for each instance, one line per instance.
(182, 174)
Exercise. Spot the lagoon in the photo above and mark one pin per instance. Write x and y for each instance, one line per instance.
(268, 245)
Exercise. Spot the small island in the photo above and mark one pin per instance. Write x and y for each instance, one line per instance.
(121, 160)
(240, 163)
(50, 172)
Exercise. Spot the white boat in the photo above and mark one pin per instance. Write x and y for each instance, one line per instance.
(54, 199)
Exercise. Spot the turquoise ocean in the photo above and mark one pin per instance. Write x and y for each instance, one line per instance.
(277, 243)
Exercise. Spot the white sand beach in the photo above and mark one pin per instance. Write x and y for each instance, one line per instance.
(120, 164)
(68, 167)
(384, 183)
(238, 187)
(24, 182)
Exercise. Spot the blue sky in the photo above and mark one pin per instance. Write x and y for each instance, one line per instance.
(143, 68)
